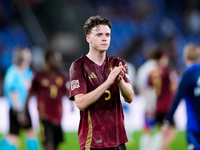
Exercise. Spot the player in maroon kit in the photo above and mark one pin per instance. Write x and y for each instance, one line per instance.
(50, 87)
(96, 82)
(164, 79)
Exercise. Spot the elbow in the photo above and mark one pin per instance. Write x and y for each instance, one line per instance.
(80, 106)
(130, 98)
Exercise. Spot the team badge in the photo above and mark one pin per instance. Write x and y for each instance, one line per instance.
(111, 68)
(74, 84)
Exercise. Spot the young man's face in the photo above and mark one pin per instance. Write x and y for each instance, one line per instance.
(99, 38)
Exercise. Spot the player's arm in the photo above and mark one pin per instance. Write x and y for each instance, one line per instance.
(31, 92)
(179, 95)
(85, 100)
(125, 88)
(15, 100)
(173, 81)
(126, 91)
(24, 115)
(27, 101)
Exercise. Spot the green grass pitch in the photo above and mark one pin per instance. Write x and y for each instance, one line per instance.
(71, 141)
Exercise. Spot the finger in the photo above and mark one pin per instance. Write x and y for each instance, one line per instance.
(120, 63)
(125, 66)
(119, 77)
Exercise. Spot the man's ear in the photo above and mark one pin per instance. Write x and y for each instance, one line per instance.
(88, 38)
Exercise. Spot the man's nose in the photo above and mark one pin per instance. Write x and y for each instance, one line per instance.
(104, 37)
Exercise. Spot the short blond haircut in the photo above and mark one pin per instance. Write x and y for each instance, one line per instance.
(192, 52)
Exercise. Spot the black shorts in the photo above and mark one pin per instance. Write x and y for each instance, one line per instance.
(15, 125)
(51, 133)
(160, 118)
(120, 147)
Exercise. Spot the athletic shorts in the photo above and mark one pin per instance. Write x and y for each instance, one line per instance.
(160, 117)
(51, 133)
(15, 125)
(120, 147)
(193, 140)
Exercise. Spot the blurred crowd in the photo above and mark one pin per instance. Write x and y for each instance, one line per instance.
(137, 26)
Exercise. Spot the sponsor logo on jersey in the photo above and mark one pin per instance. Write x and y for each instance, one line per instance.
(74, 84)
(93, 75)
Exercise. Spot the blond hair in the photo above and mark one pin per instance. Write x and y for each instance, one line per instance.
(192, 52)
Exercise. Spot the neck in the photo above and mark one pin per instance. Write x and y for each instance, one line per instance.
(21, 68)
(189, 64)
(97, 57)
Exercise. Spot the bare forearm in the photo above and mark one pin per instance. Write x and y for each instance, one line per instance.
(85, 100)
(27, 101)
(126, 91)
(15, 100)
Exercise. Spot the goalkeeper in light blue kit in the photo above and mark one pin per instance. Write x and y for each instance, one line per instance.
(17, 82)
(189, 89)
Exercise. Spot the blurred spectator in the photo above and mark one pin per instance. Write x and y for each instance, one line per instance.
(16, 84)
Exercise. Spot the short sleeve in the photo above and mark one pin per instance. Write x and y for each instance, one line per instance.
(77, 79)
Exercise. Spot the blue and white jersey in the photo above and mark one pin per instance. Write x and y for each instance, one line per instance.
(189, 89)
(17, 81)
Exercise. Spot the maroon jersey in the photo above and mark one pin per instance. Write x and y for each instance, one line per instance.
(160, 79)
(102, 123)
(50, 90)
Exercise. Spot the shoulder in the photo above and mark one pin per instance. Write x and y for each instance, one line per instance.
(11, 72)
(12, 69)
(115, 59)
(79, 60)
(39, 74)
(63, 74)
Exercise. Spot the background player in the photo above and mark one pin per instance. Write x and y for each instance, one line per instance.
(189, 89)
(164, 80)
(96, 80)
(16, 84)
(50, 87)
(148, 94)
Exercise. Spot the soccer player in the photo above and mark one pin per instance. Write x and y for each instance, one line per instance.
(149, 96)
(164, 80)
(189, 89)
(16, 84)
(96, 82)
(50, 87)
